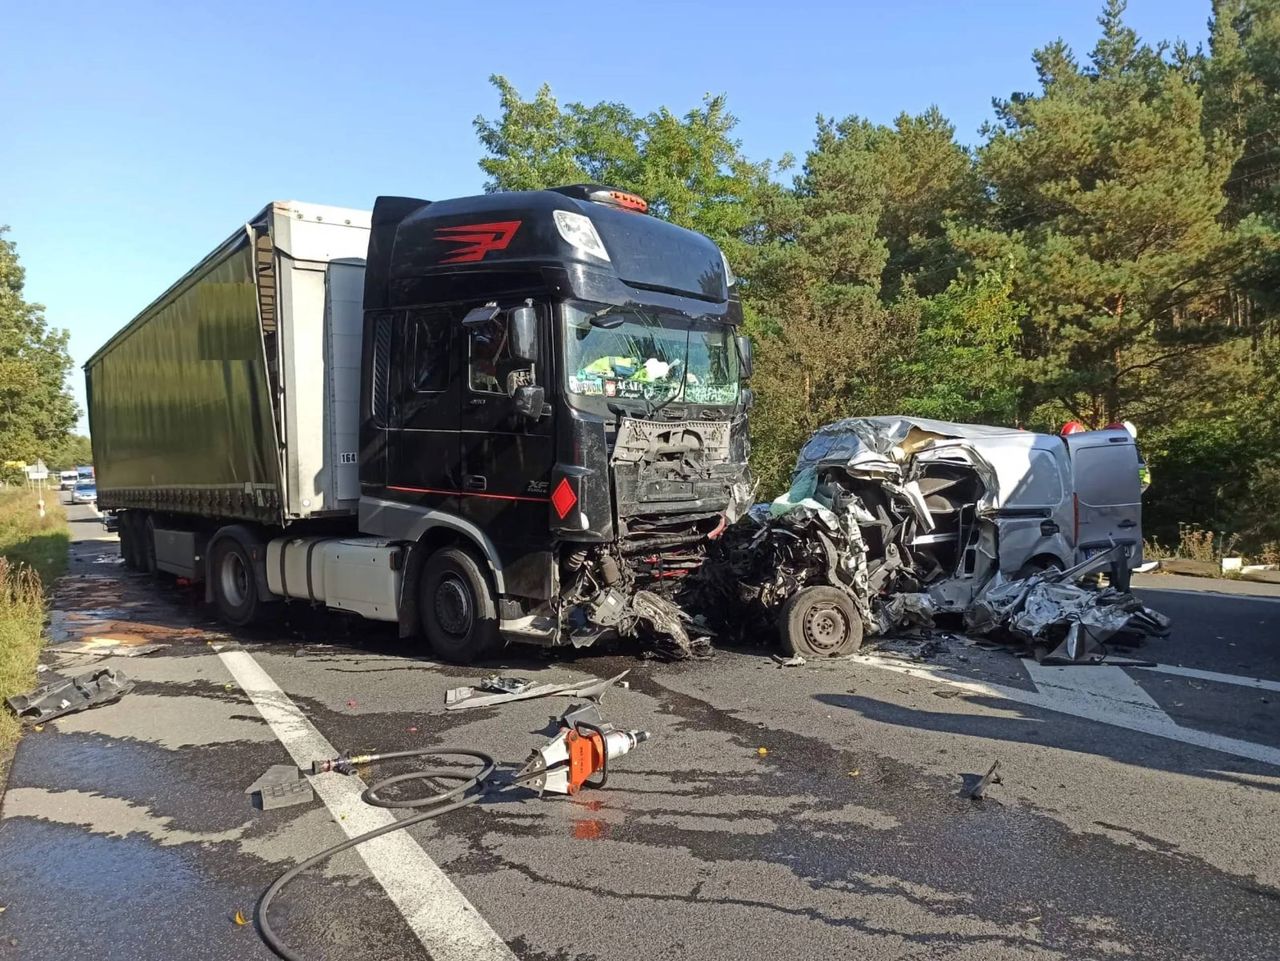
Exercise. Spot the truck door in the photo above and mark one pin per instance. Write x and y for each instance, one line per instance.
(1108, 492)
(506, 457)
(425, 390)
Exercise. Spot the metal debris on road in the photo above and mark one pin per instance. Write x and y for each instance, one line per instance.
(976, 790)
(68, 695)
(795, 660)
(462, 698)
(505, 685)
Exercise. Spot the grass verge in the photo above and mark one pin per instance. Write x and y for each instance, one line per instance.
(33, 552)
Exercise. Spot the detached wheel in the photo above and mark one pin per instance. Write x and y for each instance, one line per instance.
(235, 588)
(457, 606)
(820, 622)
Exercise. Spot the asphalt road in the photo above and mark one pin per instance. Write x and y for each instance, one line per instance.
(792, 813)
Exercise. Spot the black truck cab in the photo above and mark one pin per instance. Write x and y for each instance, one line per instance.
(551, 412)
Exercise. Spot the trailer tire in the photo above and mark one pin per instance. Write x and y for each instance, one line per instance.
(233, 582)
(147, 549)
(457, 605)
(129, 542)
(820, 621)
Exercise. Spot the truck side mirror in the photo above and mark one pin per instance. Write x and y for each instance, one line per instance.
(529, 399)
(744, 355)
(523, 327)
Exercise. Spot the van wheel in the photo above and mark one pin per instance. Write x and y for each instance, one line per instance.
(147, 549)
(235, 588)
(456, 604)
(820, 622)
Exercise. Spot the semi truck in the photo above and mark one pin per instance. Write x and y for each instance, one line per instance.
(514, 416)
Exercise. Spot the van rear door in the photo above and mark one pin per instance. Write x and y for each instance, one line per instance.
(1108, 492)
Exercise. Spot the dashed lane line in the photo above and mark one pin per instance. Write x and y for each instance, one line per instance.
(446, 923)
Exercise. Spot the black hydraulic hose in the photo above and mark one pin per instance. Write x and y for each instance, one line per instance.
(440, 803)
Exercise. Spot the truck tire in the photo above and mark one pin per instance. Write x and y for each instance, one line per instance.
(147, 548)
(129, 542)
(235, 588)
(820, 621)
(457, 606)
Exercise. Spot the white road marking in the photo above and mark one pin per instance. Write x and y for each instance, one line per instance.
(1211, 593)
(1106, 701)
(446, 923)
(1237, 679)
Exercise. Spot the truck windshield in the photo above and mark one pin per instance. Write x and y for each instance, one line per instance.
(654, 355)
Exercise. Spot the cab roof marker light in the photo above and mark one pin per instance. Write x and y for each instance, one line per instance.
(578, 231)
(620, 198)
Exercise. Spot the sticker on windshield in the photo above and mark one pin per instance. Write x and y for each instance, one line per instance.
(611, 388)
(586, 385)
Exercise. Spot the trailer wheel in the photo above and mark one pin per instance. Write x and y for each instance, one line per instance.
(235, 588)
(147, 549)
(129, 542)
(820, 622)
(457, 605)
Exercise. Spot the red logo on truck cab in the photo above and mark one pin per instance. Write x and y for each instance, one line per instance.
(477, 240)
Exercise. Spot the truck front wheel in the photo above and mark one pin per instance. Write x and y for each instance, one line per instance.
(235, 589)
(457, 605)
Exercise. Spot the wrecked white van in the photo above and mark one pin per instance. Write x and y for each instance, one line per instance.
(954, 503)
(890, 521)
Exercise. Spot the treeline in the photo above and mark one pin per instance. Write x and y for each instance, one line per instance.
(37, 411)
(1109, 251)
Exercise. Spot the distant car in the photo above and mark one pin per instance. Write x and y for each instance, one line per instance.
(85, 492)
(67, 480)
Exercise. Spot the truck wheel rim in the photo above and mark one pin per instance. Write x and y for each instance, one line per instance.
(235, 580)
(825, 627)
(453, 606)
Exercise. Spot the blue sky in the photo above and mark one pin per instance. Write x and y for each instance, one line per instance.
(138, 135)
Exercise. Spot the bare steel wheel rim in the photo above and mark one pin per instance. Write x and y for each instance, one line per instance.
(825, 627)
(233, 577)
(453, 606)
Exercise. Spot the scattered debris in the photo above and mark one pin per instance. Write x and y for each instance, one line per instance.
(68, 695)
(238, 919)
(285, 794)
(274, 774)
(795, 660)
(975, 787)
(1066, 621)
(281, 786)
(762, 751)
(461, 698)
(505, 685)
